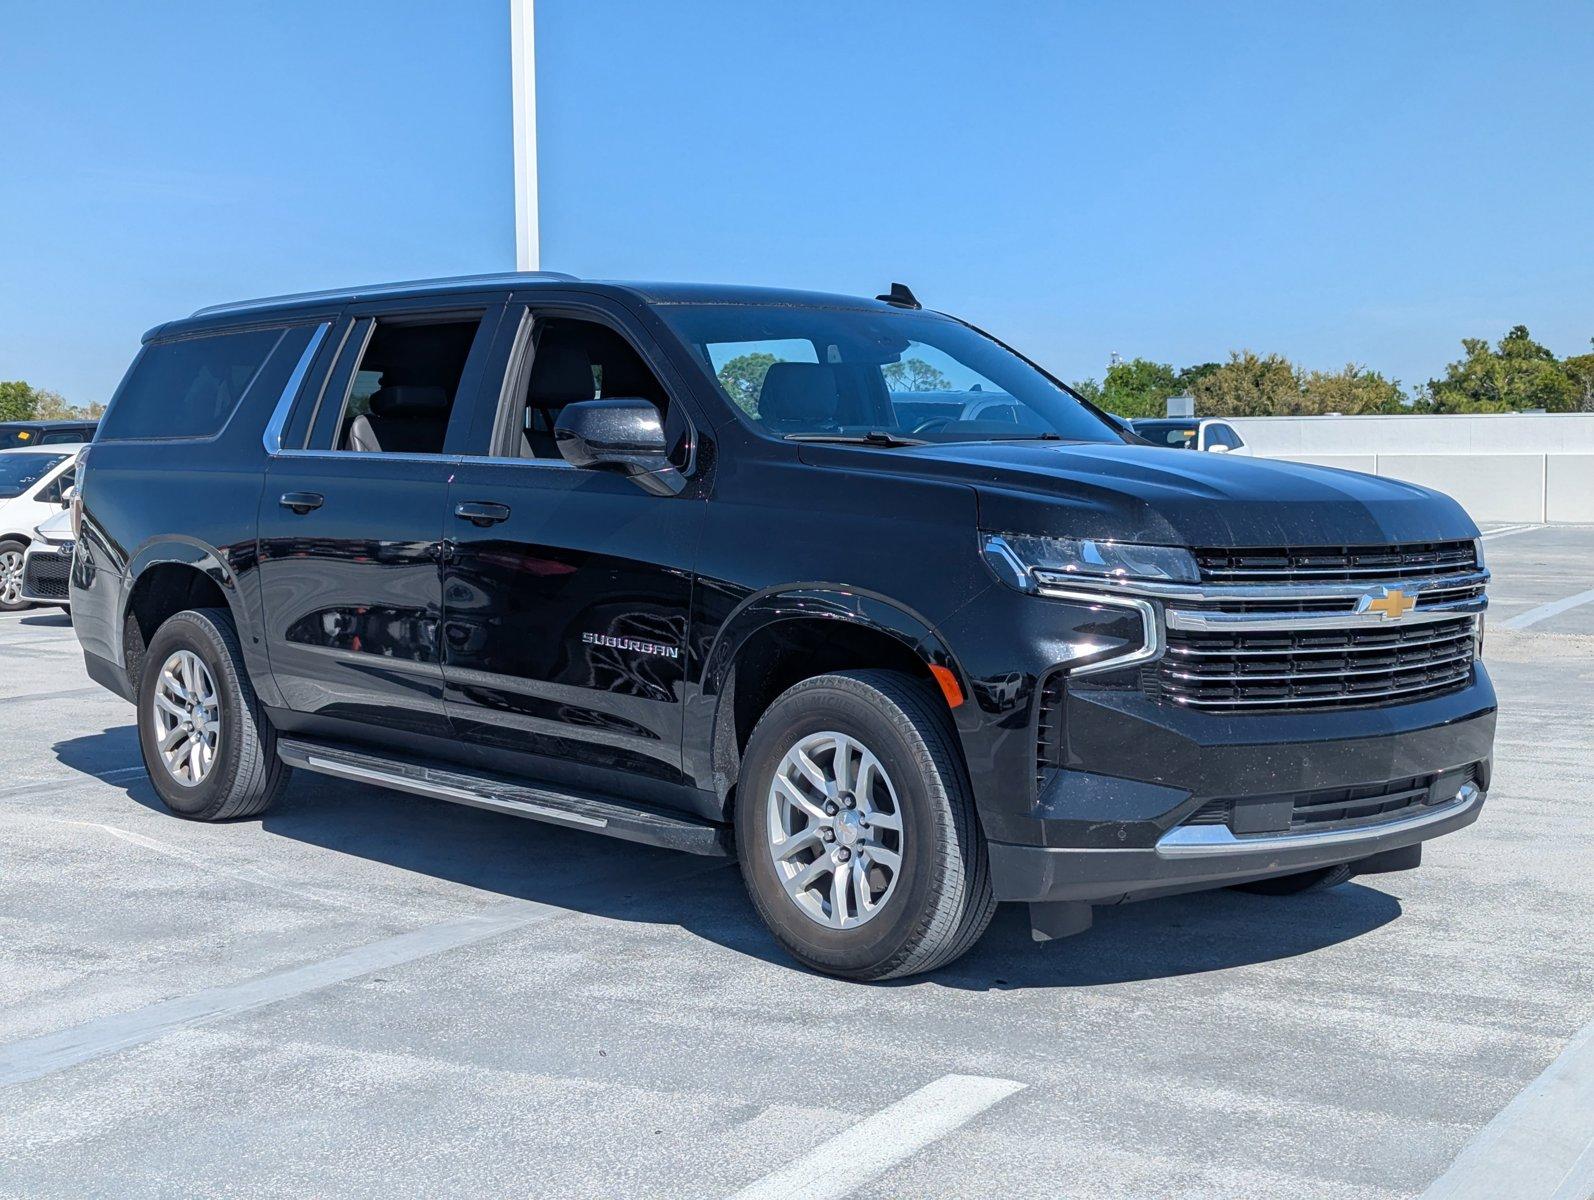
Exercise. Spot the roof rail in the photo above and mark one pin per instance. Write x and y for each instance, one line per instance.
(502, 278)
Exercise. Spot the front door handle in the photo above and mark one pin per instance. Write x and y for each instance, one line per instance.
(481, 514)
(302, 502)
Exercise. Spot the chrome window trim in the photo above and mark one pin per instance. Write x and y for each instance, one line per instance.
(368, 455)
(272, 438)
(1215, 841)
(1151, 629)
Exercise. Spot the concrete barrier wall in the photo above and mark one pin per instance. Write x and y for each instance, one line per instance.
(1484, 433)
(1501, 467)
(1491, 487)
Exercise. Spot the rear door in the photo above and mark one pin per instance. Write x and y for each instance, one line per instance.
(352, 519)
(567, 592)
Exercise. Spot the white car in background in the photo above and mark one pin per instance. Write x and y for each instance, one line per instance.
(33, 483)
(1191, 433)
(47, 566)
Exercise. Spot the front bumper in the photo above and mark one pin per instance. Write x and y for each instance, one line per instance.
(1043, 874)
(1114, 824)
(47, 573)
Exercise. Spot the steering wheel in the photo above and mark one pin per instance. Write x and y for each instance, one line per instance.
(933, 425)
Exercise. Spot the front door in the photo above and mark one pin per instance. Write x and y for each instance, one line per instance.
(352, 522)
(567, 592)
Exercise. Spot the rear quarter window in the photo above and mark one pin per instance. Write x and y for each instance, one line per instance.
(187, 388)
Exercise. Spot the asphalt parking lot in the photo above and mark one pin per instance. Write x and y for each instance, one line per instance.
(370, 994)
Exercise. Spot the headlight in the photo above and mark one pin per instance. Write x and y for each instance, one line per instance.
(1477, 551)
(1024, 560)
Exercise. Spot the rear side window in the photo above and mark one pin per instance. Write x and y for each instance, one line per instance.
(188, 388)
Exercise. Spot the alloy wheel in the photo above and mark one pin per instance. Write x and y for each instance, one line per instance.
(187, 714)
(835, 830)
(10, 577)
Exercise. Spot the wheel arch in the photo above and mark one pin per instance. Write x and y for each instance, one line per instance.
(164, 578)
(780, 636)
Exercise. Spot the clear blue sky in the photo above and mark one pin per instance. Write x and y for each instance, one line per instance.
(1347, 181)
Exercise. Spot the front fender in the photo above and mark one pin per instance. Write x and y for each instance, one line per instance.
(708, 717)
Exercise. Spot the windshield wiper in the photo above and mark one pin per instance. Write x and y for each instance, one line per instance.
(1032, 437)
(875, 437)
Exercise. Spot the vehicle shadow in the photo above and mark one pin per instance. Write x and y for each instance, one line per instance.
(528, 860)
(46, 618)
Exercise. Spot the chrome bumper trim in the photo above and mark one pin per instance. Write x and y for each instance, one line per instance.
(1213, 841)
(1219, 593)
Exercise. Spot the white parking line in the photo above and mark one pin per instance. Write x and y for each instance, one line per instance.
(243, 872)
(846, 1162)
(55, 786)
(1553, 609)
(1509, 530)
(1541, 1145)
(51, 1052)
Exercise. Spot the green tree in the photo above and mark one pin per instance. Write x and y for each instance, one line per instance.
(1354, 390)
(1190, 376)
(1249, 385)
(52, 406)
(1139, 388)
(18, 401)
(1580, 369)
(1090, 390)
(914, 375)
(1516, 373)
(743, 376)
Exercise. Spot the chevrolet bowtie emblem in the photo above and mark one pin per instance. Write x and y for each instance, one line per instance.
(1389, 603)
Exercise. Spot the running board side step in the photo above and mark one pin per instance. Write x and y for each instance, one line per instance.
(574, 810)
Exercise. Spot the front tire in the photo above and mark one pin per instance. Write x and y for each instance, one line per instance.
(208, 747)
(11, 556)
(856, 830)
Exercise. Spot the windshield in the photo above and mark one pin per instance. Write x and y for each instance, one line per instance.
(1180, 435)
(804, 372)
(16, 435)
(19, 472)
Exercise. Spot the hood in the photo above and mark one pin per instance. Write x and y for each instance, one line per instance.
(1184, 497)
(56, 529)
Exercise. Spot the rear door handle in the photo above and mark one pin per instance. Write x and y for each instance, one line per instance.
(302, 502)
(481, 514)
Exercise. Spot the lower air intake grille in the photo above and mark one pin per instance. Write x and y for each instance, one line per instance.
(1333, 808)
(46, 575)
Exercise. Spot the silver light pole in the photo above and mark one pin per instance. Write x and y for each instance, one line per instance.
(523, 53)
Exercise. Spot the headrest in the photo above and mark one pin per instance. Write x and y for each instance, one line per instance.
(799, 393)
(560, 374)
(409, 399)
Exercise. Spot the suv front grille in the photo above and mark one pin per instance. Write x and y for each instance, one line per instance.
(1333, 564)
(1327, 668)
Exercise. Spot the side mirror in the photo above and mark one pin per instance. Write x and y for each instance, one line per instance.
(68, 494)
(1217, 448)
(626, 433)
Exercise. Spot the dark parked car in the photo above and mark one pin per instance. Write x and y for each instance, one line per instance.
(45, 433)
(549, 547)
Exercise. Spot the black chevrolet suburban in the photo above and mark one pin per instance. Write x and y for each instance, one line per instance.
(841, 587)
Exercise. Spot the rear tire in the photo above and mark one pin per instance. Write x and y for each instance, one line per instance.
(912, 806)
(208, 747)
(1319, 880)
